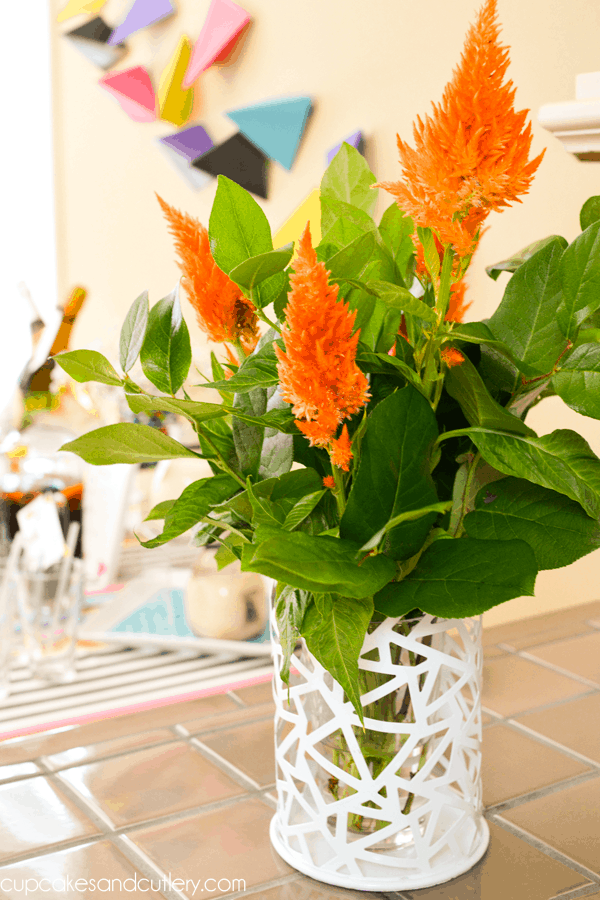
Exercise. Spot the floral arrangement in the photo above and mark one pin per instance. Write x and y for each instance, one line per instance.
(370, 449)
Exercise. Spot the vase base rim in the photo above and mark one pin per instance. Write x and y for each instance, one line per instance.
(401, 881)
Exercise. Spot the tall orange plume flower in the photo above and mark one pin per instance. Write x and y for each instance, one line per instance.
(471, 155)
(457, 306)
(221, 309)
(317, 372)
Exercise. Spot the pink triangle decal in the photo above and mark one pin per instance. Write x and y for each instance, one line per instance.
(133, 89)
(224, 22)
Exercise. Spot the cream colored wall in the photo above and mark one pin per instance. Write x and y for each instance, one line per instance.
(372, 66)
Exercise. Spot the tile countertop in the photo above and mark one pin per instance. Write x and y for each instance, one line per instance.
(186, 791)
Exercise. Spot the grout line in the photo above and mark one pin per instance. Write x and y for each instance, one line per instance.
(542, 792)
(182, 731)
(558, 669)
(242, 779)
(147, 866)
(549, 742)
(50, 769)
(542, 708)
(233, 696)
(584, 891)
(587, 629)
(87, 805)
(32, 855)
(529, 838)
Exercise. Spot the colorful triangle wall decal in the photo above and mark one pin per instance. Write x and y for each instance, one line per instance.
(75, 7)
(308, 211)
(189, 143)
(196, 179)
(91, 39)
(175, 102)
(355, 140)
(133, 89)
(240, 160)
(223, 23)
(275, 126)
(141, 14)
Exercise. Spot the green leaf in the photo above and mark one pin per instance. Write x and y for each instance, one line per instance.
(279, 419)
(160, 510)
(88, 365)
(238, 228)
(290, 607)
(302, 509)
(316, 563)
(396, 230)
(590, 212)
(384, 364)
(193, 410)
(517, 259)
(166, 353)
(580, 272)
(526, 320)
(218, 374)
(562, 461)
(556, 528)
(410, 516)
(285, 490)
(277, 453)
(458, 578)
(258, 268)
(342, 223)
(578, 380)
(432, 257)
(248, 438)
(335, 634)
(348, 178)
(399, 298)
(258, 370)
(477, 333)
(133, 332)
(466, 385)
(126, 443)
(218, 432)
(350, 261)
(264, 511)
(393, 475)
(194, 504)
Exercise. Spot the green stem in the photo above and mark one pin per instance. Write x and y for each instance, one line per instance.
(457, 530)
(340, 493)
(262, 315)
(226, 527)
(221, 462)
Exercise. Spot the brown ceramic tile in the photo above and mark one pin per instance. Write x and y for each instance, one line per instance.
(512, 685)
(307, 889)
(18, 770)
(256, 693)
(540, 629)
(229, 843)
(574, 724)
(492, 651)
(569, 821)
(34, 814)
(154, 782)
(580, 655)
(250, 748)
(46, 743)
(90, 752)
(509, 870)
(80, 872)
(515, 764)
(226, 720)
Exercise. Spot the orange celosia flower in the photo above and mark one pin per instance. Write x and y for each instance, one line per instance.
(341, 450)
(329, 482)
(221, 309)
(471, 155)
(452, 357)
(457, 306)
(317, 372)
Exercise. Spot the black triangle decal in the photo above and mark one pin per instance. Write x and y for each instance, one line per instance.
(94, 30)
(239, 160)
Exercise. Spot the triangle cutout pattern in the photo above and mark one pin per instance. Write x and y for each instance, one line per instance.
(435, 759)
(94, 30)
(355, 140)
(275, 126)
(223, 24)
(239, 160)
(76, 7)
(140, 15)
(196, 179)
(102, 55)
(175, 102)
(189, 143)
(133, 89)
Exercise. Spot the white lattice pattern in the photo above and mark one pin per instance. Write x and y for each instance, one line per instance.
(440, 832)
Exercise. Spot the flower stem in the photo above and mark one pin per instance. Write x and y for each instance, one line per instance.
(220, 458)
(262, 315)
(340, 493)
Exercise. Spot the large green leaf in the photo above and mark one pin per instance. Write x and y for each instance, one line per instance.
(526, 320)
(517, 259)
(302, 509)
(166, 353)
(590, 212)
(351, 261)
(193, 505)
(258, 268)
(88, 365)
(258, 370)
(195, 411)
(248, 438)
(562, 461)
(286, 490)
(126, 443)
(555, 527)
(397, 297)
(396, 230)
(393, 475)
(580, 273)
(578, 380)
(477, 333)
(316, 563)
(290, 607)
(466, 385)
(277, 453)
(348, 178)
(342, 223)
(457, 578)
(334, 634)
(133, 332)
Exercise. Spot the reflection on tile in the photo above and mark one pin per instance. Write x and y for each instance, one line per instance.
(92, 870)
(227, 845)
(492, 651)
(573, 724)
(34, 814)
(568, 821)
(60, 739)
(539, 629)
(509, 870)
(307, 889)
(107, 748)
(515, 764)
(256, 693)
(250, 748)
(580, 655)
(512, 685)
(18, 770)
(154, 782)
(212, 723)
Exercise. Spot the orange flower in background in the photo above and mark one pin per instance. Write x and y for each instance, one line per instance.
(221, 309)
(341, 450)
(329, 482)
(317, 372)
(452, 357)
(471, 155)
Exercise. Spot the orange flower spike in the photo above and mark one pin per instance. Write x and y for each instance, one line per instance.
(471, 155)
(221, 309)
(317, 371)
(452, 357)
(341, 451)
(329, 482)
(457, 306)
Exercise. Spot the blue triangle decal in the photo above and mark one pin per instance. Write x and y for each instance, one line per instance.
(275, 127)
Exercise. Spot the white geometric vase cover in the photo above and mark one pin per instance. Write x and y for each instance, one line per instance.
(397, 805)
